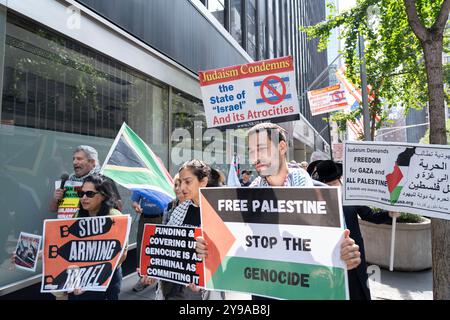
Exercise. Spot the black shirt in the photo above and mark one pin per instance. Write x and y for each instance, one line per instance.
(192, 216)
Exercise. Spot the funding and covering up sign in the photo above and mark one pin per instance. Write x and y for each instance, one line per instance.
(277, 242)
(69, 205)
(82, 253)
(168, 253)
(247, 94)
(327, 100)
(412, 178)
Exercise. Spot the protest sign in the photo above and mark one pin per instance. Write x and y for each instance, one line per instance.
(399, 177)
(327, 100)
(69, 204)
(168, 253)
(338, 151)
(26, 254)
(276, 242)
(82, 253)
(247, 94)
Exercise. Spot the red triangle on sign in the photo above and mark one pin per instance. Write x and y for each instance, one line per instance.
(394, 178)
(217, 235)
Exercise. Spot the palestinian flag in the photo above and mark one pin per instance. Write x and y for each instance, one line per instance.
(248, 250)
(132, 164)
(398, 177)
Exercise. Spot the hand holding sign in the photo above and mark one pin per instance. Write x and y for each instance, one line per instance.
(201, 247)
(350, 251)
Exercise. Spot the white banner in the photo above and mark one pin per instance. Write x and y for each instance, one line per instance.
(402, 177)
(247, 94)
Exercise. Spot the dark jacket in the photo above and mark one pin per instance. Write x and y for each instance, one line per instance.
(357, 278)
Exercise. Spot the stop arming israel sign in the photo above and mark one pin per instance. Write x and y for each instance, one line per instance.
(276, 242)
(82, 253)
(247, 94)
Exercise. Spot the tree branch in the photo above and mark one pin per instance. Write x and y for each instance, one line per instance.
(419, 30)
(442, 17)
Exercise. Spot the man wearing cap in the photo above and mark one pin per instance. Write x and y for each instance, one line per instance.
(330, 172)
(245, 181)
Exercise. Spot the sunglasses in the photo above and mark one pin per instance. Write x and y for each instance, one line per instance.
(89, 194)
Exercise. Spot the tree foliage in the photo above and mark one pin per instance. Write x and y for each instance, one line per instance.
(394, 56)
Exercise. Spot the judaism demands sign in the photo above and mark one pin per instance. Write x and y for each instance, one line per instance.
(412, 178)
(168, 253)
(275, 242)
(247, 94)
(82, 253)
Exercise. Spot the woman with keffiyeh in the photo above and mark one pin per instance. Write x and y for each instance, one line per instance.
(192, 175)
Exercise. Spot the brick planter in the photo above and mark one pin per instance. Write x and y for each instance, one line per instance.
(412, 245)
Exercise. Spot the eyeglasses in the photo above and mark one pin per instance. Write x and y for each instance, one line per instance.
(89, 194)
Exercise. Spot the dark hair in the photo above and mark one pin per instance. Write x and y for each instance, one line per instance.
(198, 168)
(104, 186)
(269, 127)
(215, 179)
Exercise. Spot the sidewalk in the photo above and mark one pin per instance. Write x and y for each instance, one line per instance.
(403, 286)
(392, 286)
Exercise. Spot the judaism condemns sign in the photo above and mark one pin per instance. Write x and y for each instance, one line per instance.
(168, 253)
(412, 178)
(247, 94)
(276, 242)
(82, 253)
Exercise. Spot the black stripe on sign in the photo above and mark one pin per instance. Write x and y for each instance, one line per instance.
(303, 202)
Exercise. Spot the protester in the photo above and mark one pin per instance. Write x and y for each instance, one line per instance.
(245, 181)
(329, 172)
(216, 179)
(193, 175)
(267, 151)
(148, 212)
(311, 169)
(173, 204)
(97, 199)
(85, 163)
(304, 165)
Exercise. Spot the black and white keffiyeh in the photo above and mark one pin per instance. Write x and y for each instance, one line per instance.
(297, 177)
(179, 213)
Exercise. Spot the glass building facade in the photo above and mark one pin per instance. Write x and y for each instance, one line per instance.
(72, 74)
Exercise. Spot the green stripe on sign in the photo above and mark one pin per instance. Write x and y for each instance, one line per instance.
(285, 280)
(395, 194)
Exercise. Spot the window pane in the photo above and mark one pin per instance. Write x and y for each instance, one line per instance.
(188, 123)
(251, 28)
(270, 13)
(217, 8)
(262, 30)
(236, 23)
(58, 94)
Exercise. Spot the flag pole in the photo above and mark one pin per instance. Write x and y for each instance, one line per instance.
(394, 224)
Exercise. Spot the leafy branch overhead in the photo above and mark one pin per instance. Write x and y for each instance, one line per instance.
(395, 63)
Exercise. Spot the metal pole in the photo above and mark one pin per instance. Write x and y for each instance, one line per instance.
(364, 94)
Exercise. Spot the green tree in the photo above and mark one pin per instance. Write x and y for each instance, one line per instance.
(404, 44)
(394, 57)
